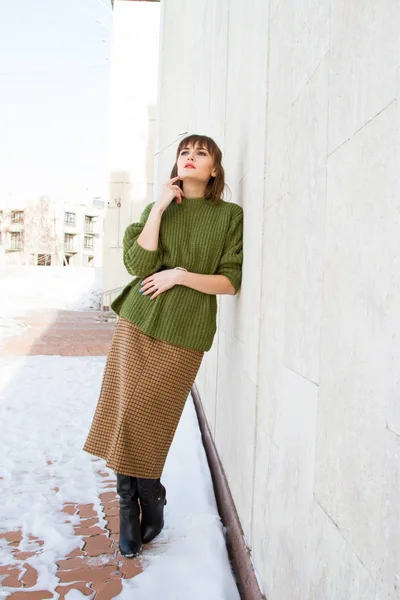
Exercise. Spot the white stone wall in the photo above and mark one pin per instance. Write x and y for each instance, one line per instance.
(133, 99)
(301, 388)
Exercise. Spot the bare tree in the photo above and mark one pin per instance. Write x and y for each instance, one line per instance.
(41, 241)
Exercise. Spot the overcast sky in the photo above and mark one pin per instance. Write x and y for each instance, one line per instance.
(54, 98)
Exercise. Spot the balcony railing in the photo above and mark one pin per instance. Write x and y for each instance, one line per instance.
(89, 227)
(15, 227)
(14, 246)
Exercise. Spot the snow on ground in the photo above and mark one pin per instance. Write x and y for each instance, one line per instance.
(10, 328)
(24, 289)
(46, 406)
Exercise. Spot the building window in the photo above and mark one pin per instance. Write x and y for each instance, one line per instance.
(44, 260)
(89, 223)
(17, 216)
(69, 218)
(1, 238)
(98, 201)
(1, 216)
(68, 242)
(16, 240)
(88, 243)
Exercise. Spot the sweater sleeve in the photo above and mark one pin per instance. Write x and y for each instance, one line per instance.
(231, 260)
(137, 260)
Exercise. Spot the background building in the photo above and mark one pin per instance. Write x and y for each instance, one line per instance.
(46, 233)
(82, 233)
(301, 387)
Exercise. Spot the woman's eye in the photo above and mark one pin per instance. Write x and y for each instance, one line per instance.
(202, 153)
(184, 152)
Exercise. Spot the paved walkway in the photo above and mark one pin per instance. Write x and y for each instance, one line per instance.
(64, 333)
(97, 568)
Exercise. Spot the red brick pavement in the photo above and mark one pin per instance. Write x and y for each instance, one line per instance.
(95, 567)
(65, 333)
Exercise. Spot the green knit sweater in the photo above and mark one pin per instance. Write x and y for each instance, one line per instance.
(199, 236)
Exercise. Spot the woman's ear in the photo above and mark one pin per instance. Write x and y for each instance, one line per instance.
(213, 173)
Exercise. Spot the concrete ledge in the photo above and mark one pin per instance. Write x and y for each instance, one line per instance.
(239, 553)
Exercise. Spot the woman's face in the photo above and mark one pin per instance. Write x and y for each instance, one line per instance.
(196, 163)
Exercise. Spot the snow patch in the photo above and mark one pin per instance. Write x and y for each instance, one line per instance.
(46, 407)
(23, 289)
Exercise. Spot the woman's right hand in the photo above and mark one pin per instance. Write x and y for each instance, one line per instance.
(168, 193)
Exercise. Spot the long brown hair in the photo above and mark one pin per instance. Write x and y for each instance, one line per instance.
(215, 187)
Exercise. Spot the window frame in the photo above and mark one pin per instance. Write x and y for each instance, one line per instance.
(90, 246)
(69, 242)
(17, 217)
(67, 221)
(16, 235)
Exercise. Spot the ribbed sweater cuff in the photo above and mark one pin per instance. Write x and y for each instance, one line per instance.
(234, 277)
(141, 261)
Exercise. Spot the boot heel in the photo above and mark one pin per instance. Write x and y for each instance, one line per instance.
(152, 497)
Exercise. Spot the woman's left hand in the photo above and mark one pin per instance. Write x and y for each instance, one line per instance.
(156, 284)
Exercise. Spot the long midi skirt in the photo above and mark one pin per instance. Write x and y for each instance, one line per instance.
(145, 385)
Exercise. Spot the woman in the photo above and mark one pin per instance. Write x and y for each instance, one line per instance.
(186, 248)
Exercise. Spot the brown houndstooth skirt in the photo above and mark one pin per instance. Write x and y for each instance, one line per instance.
(145, 385)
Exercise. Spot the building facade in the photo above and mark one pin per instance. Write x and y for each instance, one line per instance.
(82, 235)
(45, 233)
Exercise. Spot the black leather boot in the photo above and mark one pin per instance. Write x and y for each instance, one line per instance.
(152, 497)
(130, 543)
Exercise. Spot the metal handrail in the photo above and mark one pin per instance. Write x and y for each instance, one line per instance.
(106, 299)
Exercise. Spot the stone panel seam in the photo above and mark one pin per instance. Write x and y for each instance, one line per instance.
(227, 66)
(343, 536)
(213, 29)
(177, 139)
(271, 439)
(302, 376)
(277, 200)
(273, 13)
(309, 78)
(391, 430)
(255, 434)
(219, 305)
(363, 126)
(325, 242)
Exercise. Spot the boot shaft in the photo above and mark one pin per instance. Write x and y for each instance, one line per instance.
(127, 487)
(150, 491)
(130, 542)
(152, 497)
